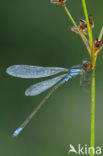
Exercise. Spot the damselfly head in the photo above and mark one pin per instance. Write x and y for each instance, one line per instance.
(58, 1)
(87, 65)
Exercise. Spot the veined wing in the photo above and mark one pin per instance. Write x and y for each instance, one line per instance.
(42, 86)
(27, 71)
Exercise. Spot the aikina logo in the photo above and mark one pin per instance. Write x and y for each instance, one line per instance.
(84, 149)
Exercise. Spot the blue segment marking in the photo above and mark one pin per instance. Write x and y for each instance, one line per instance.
(73, 72)
(17, 131)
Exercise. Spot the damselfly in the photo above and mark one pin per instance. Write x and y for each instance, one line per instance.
(27, 71)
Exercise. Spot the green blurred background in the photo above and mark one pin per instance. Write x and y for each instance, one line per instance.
(38, 33)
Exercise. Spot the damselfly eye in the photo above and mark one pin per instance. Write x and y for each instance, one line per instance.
(86, 64)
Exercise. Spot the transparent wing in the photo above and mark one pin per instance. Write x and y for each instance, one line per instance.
(27, 71)
(42, 86)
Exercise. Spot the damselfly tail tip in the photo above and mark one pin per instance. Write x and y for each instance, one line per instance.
(17, 131)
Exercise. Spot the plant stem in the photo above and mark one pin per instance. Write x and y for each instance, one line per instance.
(99, 38)
(74, 23)
(93, 61)
(100, 35)
(92, 142)
(88, 24)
